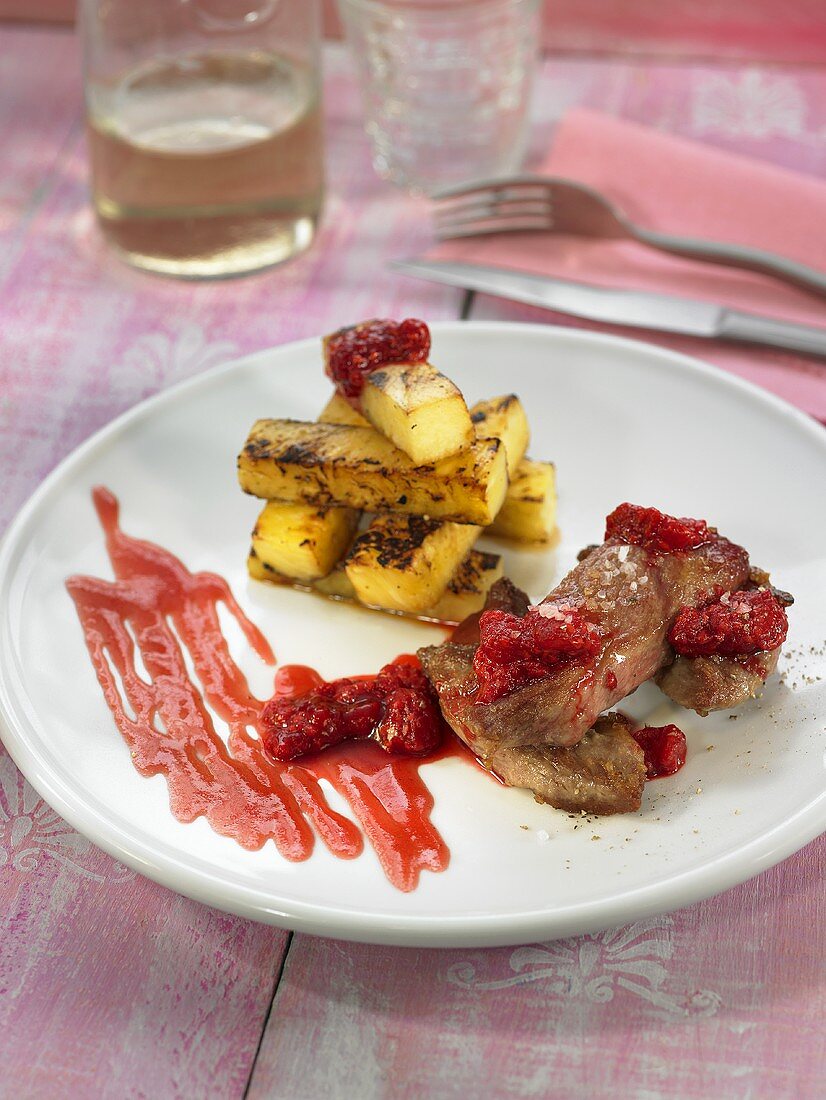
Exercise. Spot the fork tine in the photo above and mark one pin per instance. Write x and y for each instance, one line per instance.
(468, 210)
(486, 228)
(539, 216)
(505, 193)
(472, 187)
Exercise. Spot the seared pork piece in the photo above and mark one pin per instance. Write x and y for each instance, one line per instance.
(632, 594)
(712, 683)
(603, 774)
(705, 681)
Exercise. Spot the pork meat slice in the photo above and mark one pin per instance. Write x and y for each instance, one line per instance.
(705, 684)
(603, 774)
(633, 595)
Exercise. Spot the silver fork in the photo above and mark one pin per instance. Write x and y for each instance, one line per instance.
(545, 203)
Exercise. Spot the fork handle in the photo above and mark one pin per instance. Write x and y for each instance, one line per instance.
(733, 255)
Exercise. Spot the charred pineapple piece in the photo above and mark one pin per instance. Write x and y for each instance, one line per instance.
(467, 589)
(259, 571)
(335, 584)
(529, 511)
(503, 418)
(303, 540)
(298, 462)
(405, 562)
(338, 410)
(466, 592)
(283, 526)
(420, 410)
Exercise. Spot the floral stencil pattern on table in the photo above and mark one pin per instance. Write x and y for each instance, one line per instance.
(599, 967)
(752, 105)
(160, 359)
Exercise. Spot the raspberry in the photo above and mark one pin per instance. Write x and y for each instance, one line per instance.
(512, 651)
(664, 749)
(736, 624)
(411, 725)
(397, 708)
(352, 353)
(655, 530)
(325, 716)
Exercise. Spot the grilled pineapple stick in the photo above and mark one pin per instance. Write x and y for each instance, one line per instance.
(331, 463)
(303, 541)
(401, 563)
(414, 406)
(466, 592)
(529, 511)
(503, 418)
(339, 411)
(468, 588)
(419, 410)
(405, 562)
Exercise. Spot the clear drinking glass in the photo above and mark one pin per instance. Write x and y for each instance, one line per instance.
(205, 132)
(446, 84)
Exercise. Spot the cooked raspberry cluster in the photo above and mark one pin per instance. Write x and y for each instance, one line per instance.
(737, 624)
(352, 353)
(397, 708)
(654, 530)
(512, 651)
(664, 748)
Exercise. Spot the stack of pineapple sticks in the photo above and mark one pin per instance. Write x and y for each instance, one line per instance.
(436, 475)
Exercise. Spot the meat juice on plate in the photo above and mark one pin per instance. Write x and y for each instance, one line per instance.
(209, 164)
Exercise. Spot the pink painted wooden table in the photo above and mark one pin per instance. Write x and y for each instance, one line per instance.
(112, 986)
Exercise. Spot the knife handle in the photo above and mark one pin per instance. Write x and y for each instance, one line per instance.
(779, 334)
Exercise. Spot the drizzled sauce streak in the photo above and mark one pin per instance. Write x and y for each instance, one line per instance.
(157, 606)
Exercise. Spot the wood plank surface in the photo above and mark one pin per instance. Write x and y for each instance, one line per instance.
(724, 999)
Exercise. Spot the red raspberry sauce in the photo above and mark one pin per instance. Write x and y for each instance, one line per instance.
(512, 651)
(654, 530)
(156, 607)
(737, 624)
(352, 353)
(664, 748)
(397, 708)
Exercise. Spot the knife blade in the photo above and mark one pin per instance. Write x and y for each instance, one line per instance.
(631, 308)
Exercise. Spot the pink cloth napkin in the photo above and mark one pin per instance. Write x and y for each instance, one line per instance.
(680, 186)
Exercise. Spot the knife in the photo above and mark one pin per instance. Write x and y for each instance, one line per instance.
(632, 308)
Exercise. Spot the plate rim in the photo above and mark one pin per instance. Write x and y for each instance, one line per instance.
(419, 930)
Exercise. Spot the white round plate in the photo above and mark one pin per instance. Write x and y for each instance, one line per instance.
(623, 421)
